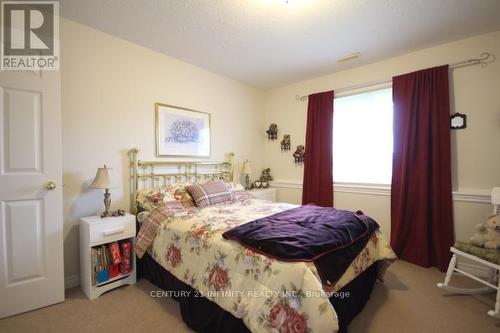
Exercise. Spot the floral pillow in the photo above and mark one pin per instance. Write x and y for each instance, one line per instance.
(152, 198)
(242, 195)
(239, 192)
(232, 186)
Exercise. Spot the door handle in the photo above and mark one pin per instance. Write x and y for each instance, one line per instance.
(50, 186)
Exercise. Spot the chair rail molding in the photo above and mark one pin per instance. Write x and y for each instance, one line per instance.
(464, 194)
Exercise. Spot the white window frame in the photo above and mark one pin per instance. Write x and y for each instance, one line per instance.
(358, 187)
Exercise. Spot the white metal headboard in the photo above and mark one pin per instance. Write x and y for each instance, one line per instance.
(151, 174)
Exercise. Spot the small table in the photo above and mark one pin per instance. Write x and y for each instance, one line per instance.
(95, 231)
(265, 193)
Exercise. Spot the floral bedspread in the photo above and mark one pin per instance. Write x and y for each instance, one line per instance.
(267, 294)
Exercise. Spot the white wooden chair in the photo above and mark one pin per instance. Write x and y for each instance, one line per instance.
(490, 259)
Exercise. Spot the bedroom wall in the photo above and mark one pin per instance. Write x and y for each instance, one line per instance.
(475, 91)
(109, 87)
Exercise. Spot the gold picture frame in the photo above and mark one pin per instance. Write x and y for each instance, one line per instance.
(182, 132)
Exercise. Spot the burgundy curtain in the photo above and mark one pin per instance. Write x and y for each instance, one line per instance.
(318, 181)
(421, 193)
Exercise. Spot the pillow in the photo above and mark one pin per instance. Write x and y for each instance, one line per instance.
(242, 195)
(210, 193)
(232, 186)
(152, 198)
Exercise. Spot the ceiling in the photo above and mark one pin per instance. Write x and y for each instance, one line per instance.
(270, 43)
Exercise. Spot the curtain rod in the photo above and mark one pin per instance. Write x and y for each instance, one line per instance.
(484, 59)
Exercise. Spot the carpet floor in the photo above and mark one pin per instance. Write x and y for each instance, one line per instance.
(408, 301)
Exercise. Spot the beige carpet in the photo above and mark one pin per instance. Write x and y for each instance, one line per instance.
(408, 301)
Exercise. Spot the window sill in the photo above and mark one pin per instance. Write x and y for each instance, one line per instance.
(464, 195)
(375, 189)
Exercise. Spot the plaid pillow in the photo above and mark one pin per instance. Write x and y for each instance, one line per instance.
(210, 193)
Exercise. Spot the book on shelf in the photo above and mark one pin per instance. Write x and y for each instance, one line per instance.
(125, 264)
(114, 249)
(93, 262)
(109, 260)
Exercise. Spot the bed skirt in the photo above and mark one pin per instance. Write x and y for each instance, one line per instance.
(203, 315)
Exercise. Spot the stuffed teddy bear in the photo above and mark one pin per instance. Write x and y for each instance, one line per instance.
(266, 175)
(488, 234)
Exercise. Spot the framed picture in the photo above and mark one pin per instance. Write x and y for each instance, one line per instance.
(181, 132)
(458, 121)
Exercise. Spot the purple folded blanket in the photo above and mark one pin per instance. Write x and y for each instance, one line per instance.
(330, 237)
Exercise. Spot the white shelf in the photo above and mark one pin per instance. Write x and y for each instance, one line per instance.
(95, 231)
(118, 277)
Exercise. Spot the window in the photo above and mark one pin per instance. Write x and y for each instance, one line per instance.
(362, 138)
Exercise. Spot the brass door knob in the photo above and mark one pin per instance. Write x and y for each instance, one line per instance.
(50, 186)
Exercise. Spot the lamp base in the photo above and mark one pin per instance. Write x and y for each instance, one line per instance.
(107, 204)
(248, 186)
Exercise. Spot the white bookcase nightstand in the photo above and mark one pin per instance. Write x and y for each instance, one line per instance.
(265, 193)
(96, 231)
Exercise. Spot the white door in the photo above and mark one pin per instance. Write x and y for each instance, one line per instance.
(31, 227)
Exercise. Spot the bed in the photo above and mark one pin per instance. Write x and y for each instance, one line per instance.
(223, 286)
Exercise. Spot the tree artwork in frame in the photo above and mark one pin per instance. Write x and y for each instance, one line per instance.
(181, 132)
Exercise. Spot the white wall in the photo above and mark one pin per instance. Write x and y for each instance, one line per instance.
(109, 88)
(475, 91)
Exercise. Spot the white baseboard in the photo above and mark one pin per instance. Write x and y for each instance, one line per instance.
(71, 281)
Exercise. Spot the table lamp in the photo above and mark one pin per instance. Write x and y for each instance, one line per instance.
(102, 180)
(247, 170)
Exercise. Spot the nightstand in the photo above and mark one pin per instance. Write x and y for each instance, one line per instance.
(94, 232)
(265, 194)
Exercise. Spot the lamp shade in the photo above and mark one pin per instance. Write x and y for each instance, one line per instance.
(102, 178)
(247, 168)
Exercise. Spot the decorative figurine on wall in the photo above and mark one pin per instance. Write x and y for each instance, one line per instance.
(272, 132)
(266, 175)
(285, 143)
(299, 154)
